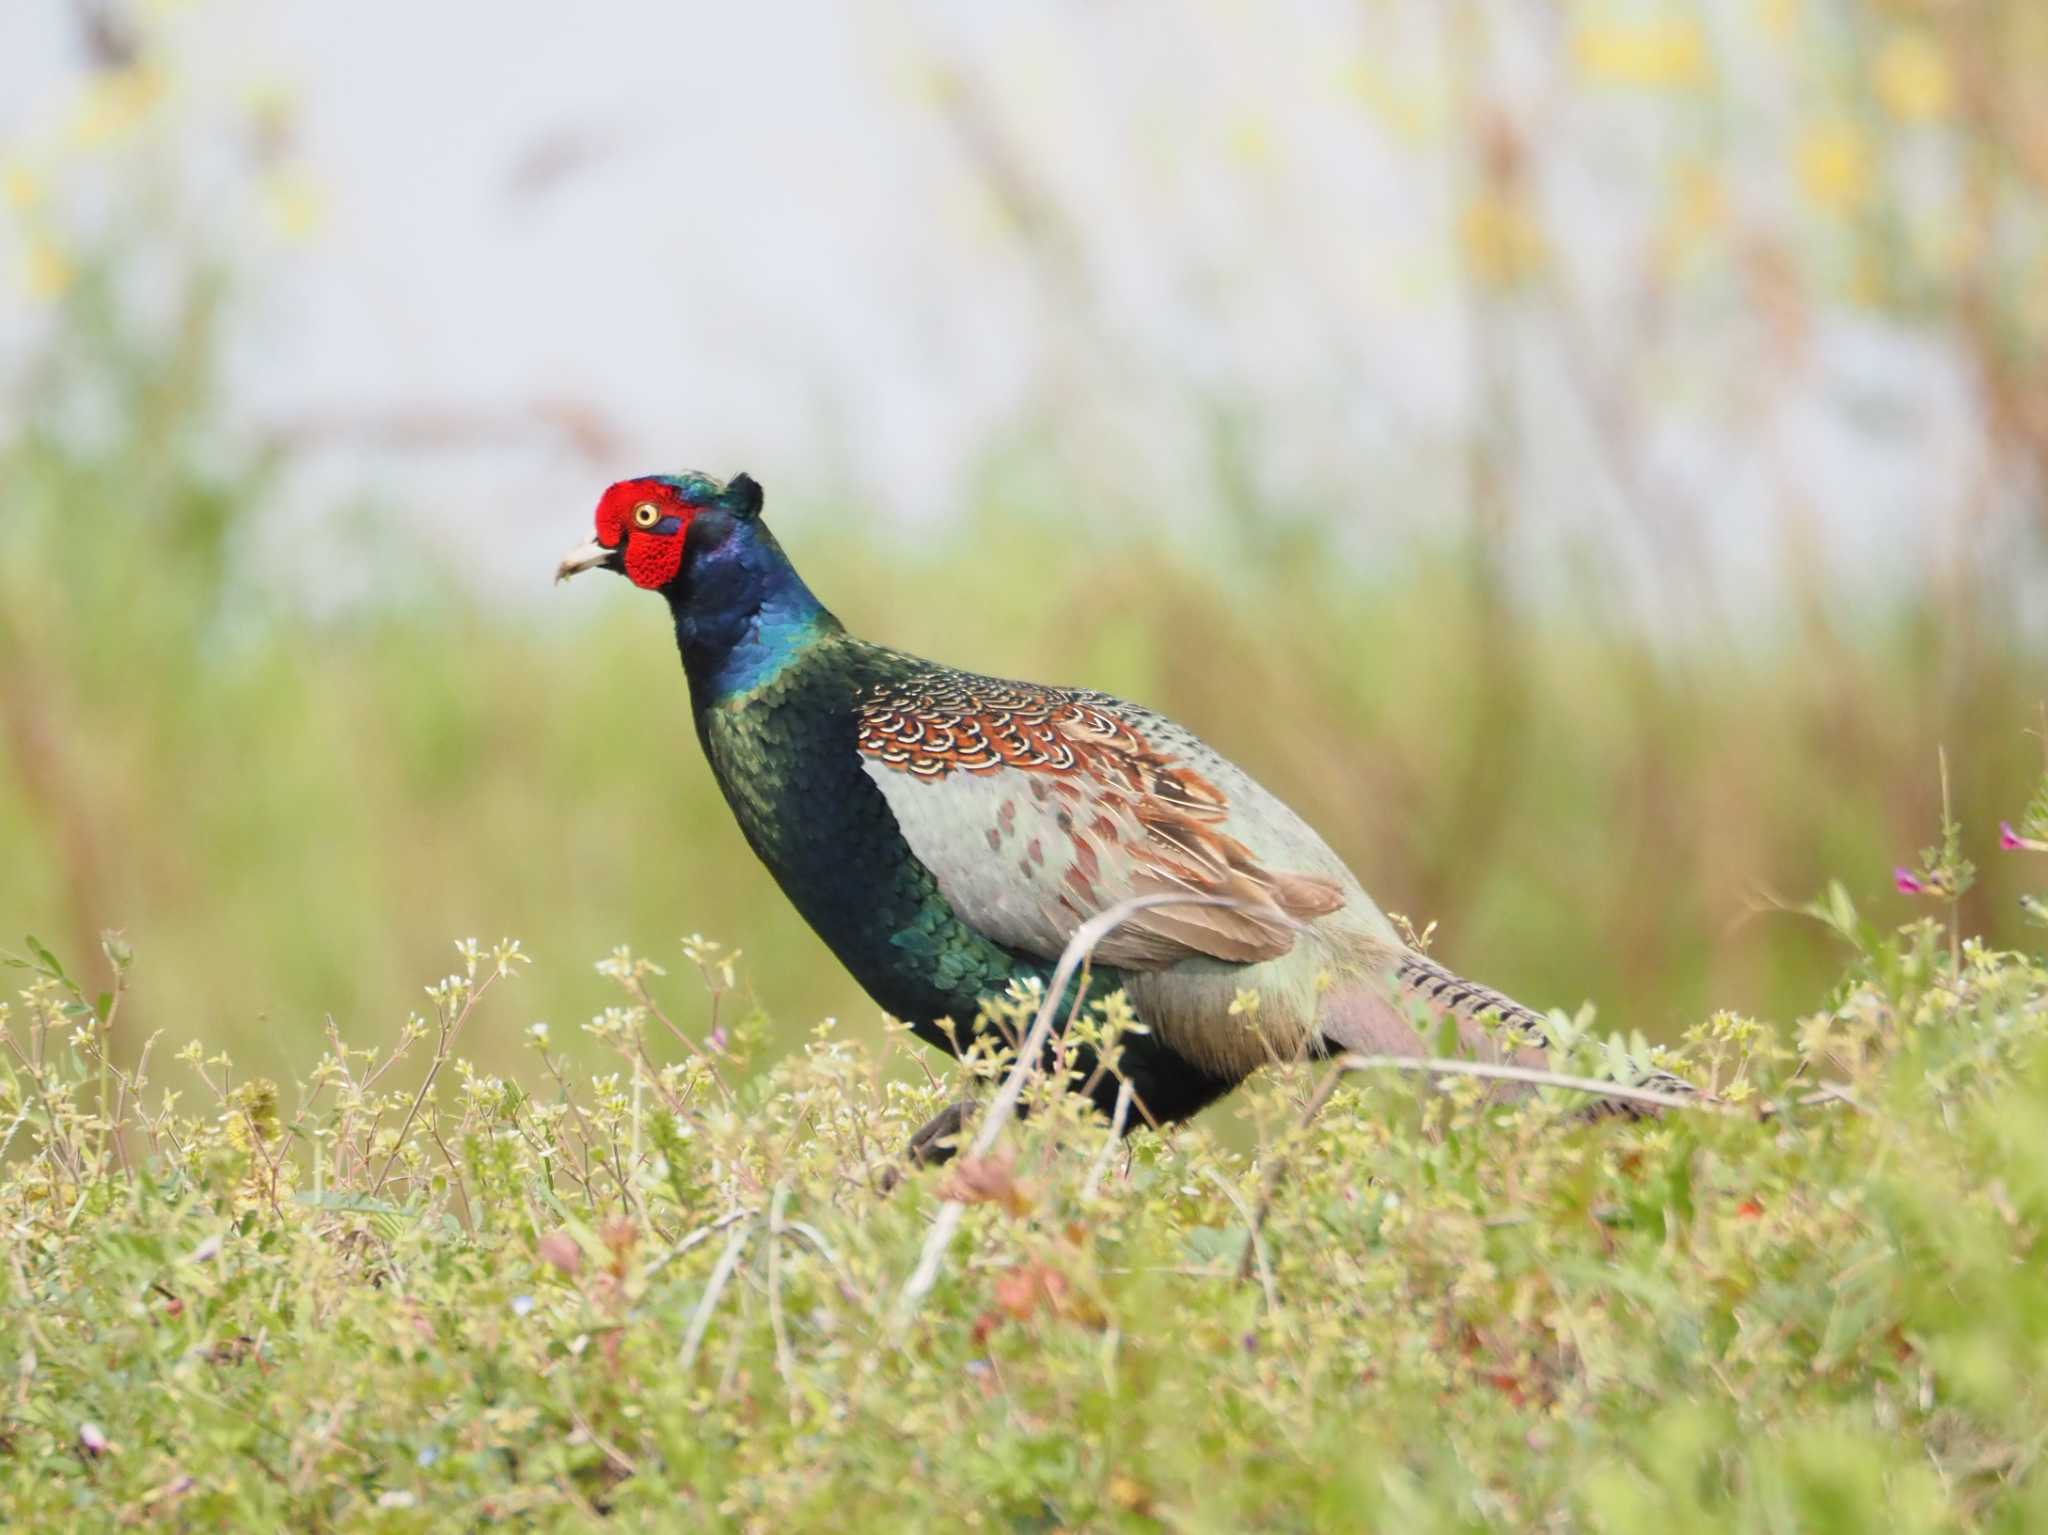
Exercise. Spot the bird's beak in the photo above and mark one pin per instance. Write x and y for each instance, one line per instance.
(584, 556)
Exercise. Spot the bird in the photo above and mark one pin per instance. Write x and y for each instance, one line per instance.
(946, 834)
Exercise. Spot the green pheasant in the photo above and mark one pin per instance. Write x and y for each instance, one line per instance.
(947, 833)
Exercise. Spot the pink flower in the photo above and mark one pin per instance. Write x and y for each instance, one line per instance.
(559, 1251)
(1908, 882)
(2017, 842)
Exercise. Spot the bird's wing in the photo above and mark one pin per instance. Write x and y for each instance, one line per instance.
(1037, 808)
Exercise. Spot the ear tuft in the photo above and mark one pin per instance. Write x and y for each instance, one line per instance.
(743, 496)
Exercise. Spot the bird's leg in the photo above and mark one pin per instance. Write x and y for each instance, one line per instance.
(937, 1142)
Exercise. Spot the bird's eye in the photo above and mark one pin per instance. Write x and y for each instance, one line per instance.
(646, 515)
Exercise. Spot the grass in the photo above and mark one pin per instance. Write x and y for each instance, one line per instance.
(676, 1291)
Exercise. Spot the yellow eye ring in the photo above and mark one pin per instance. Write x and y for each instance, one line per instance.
(646, 515)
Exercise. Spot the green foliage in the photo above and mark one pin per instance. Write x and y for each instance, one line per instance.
(676, 1290)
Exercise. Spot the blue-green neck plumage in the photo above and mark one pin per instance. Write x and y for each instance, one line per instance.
(742, 613)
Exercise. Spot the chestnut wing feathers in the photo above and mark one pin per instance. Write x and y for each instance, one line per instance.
(1036, 808)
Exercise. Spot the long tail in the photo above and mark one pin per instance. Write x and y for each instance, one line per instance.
(1423, 980)
(1418, 979)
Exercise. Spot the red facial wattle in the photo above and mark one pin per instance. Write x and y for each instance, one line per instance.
(651, 556)
(652, 559)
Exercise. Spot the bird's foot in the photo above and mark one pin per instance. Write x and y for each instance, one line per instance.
(939, 1139)
(937, 1142)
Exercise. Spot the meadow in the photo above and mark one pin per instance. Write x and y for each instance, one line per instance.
(682, 1293)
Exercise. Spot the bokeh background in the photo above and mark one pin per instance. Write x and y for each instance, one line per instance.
(1589, 457)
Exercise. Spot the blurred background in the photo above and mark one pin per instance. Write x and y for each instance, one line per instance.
(1589, 457)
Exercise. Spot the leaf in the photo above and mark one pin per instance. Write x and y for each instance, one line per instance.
(360, 1204)
(1209, 1244)
(117, 949)
(1447, 1035)
(49, 960)
(44, 963)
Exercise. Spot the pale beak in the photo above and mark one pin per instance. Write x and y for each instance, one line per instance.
(584, 556)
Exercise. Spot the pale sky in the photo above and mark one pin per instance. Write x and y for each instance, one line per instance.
(765, 237)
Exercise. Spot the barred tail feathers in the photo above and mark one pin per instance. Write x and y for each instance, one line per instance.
(1423, 980)
(1492, 1026)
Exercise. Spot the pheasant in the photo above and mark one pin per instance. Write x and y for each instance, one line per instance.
(945, 834)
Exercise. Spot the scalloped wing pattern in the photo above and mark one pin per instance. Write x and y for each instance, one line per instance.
(1036, 808)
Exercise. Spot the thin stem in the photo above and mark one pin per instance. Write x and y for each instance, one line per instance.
(637, 989)
(785, 1358)
(443, 1046)
(720, 1274)
(1269, 1182)
(1004, 1108)
(1254, 1241)
(1117, 1122)
(1948, 870)
(702, 1234)
(1437, 1066)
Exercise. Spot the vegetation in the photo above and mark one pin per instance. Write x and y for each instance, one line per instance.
(680, 1290)
(281, 1255)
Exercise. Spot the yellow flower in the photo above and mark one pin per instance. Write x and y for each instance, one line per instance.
(1698, 208)
(1503, 245)
(1868, 284)
(1702, 198)
(1913, 78)
(1250, 143)
(115, 104)
(1401, 108)
(48, 271)
(24, 192)
(1665, 54)
(1780, 18)
(1836, 166)
(295, 206)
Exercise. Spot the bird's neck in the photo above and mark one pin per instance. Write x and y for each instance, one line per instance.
(744, 616)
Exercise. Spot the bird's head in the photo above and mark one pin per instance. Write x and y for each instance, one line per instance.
(654, 528)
